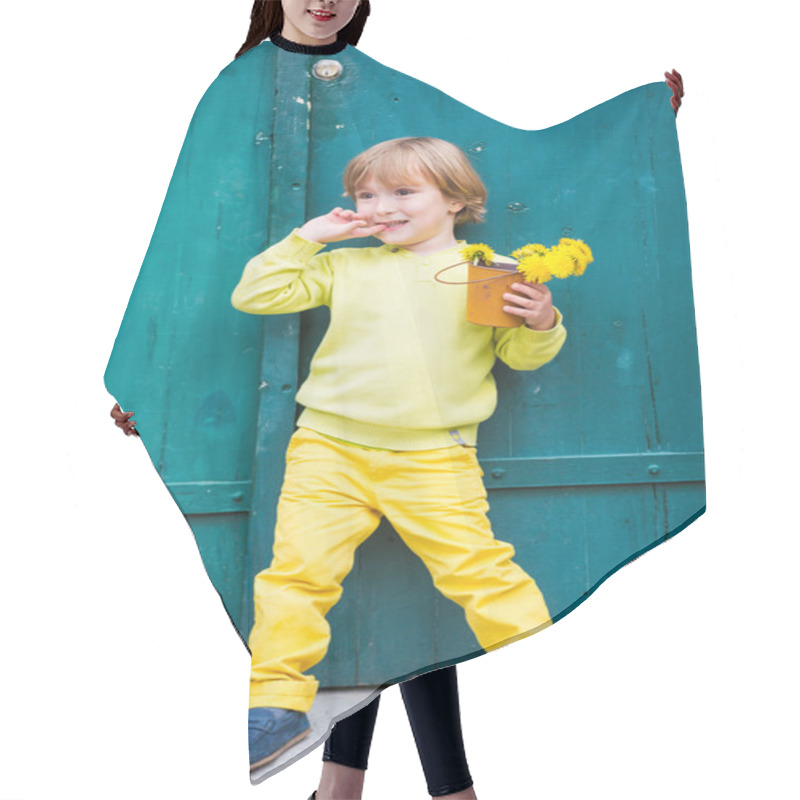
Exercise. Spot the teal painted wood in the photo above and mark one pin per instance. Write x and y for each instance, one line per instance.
(281, 334)
(212, 497)
(195, 421)
(222, 540)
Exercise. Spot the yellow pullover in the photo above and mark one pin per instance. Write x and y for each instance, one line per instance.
(399, 367)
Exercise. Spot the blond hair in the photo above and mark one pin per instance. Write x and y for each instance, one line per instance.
(442, 163)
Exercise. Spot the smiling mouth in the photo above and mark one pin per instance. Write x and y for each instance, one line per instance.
(323, 16)
(394, 225)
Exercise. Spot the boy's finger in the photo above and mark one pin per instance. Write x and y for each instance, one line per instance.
(516, 311)
(369, 231)
(524, 302)
(539, 287)
(530, 289)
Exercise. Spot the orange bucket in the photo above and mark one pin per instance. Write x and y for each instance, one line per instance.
(487, 285)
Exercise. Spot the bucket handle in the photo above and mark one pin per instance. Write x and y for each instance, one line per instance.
(464, 283)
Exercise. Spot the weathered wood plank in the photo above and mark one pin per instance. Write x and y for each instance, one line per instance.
(280, 343)
(593, 470)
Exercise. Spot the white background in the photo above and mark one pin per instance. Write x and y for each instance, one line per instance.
(121, 676)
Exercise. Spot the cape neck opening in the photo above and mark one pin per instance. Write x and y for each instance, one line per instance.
(308, 49)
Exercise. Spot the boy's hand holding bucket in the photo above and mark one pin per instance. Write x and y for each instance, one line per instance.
(533, 302)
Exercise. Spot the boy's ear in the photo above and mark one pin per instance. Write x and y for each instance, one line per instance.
(456, 206)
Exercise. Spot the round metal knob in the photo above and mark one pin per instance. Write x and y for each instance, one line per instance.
(327, 70)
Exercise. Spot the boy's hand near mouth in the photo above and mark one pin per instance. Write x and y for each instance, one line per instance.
(338, 225)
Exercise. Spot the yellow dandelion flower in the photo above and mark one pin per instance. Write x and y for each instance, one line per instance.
(560, 262)
(573, 254)
(579, 251)
(531, 262)
(475, 253)
(534, 268)
(529, 250)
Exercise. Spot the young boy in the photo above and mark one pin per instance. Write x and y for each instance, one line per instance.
(392, 404)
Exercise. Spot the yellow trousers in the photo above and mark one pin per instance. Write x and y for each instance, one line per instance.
(333, 497)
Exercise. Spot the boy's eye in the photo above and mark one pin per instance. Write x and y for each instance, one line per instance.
(364, 196)
(405, 191)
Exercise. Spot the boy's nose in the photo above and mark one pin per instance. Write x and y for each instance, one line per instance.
(385, 205)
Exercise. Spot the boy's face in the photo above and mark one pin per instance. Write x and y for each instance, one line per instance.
(414, 214)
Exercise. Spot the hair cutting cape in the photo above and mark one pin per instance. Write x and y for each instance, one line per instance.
(589, 461)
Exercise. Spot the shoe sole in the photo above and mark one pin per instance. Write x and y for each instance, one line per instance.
(272, 756)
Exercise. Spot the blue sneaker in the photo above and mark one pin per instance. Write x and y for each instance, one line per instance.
(272, 731)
